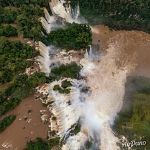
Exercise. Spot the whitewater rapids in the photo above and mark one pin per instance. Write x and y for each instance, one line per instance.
(97, 109)
(106, 80)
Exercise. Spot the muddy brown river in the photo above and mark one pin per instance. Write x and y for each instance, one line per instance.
(134, 44)
(26, 127)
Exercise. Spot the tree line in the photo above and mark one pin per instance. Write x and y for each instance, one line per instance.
(8, 120)
(74, 36)
(118, 14)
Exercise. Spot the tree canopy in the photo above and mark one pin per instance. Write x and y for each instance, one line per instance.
(74, 36)
(4, 123)
(118, 14)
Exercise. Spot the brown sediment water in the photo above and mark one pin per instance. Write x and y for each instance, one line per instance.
(122, 53)
(131, 43)
(26, 127)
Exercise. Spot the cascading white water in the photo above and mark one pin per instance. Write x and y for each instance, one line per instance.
(58, 9)
(107, 85)
(50, 19)
(97, 109)
(44, 58)
(49, 22)
(45, 25)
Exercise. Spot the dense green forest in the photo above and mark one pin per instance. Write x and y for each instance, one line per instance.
(135, 122)
(74, 36)
(118, 14)
(8, 30)
(4, 123)
(24, 15)
(18, 19)
(13, 60)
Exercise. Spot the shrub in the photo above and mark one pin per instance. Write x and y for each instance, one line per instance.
(6, 122)
(38, 144)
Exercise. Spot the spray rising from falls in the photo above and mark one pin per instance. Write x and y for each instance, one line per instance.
(53, 22)
(44, 58)
(67, 13)
(96, 108)
(107, 82)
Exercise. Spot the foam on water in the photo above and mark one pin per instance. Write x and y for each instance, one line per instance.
(96, 109)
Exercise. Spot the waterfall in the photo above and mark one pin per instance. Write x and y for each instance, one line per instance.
(93, 52)
(96, 109)
(107, 82)
(44, 58)
(50, 19)
(76, 12)
(58, 9)
(45, 25)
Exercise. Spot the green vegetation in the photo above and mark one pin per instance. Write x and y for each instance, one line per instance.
(7, 14)
(8, 30)
(68, 71)
(54, 142)
(38, 144)
(77, 129)
(118, 14)
(24, 15)
(6, 122)
(74, 36)
(21, 87)
(88, 145)
(64, 88)
(18, 18)
(13, 59)
(135, 123)
(65, 84)
(28, 22)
